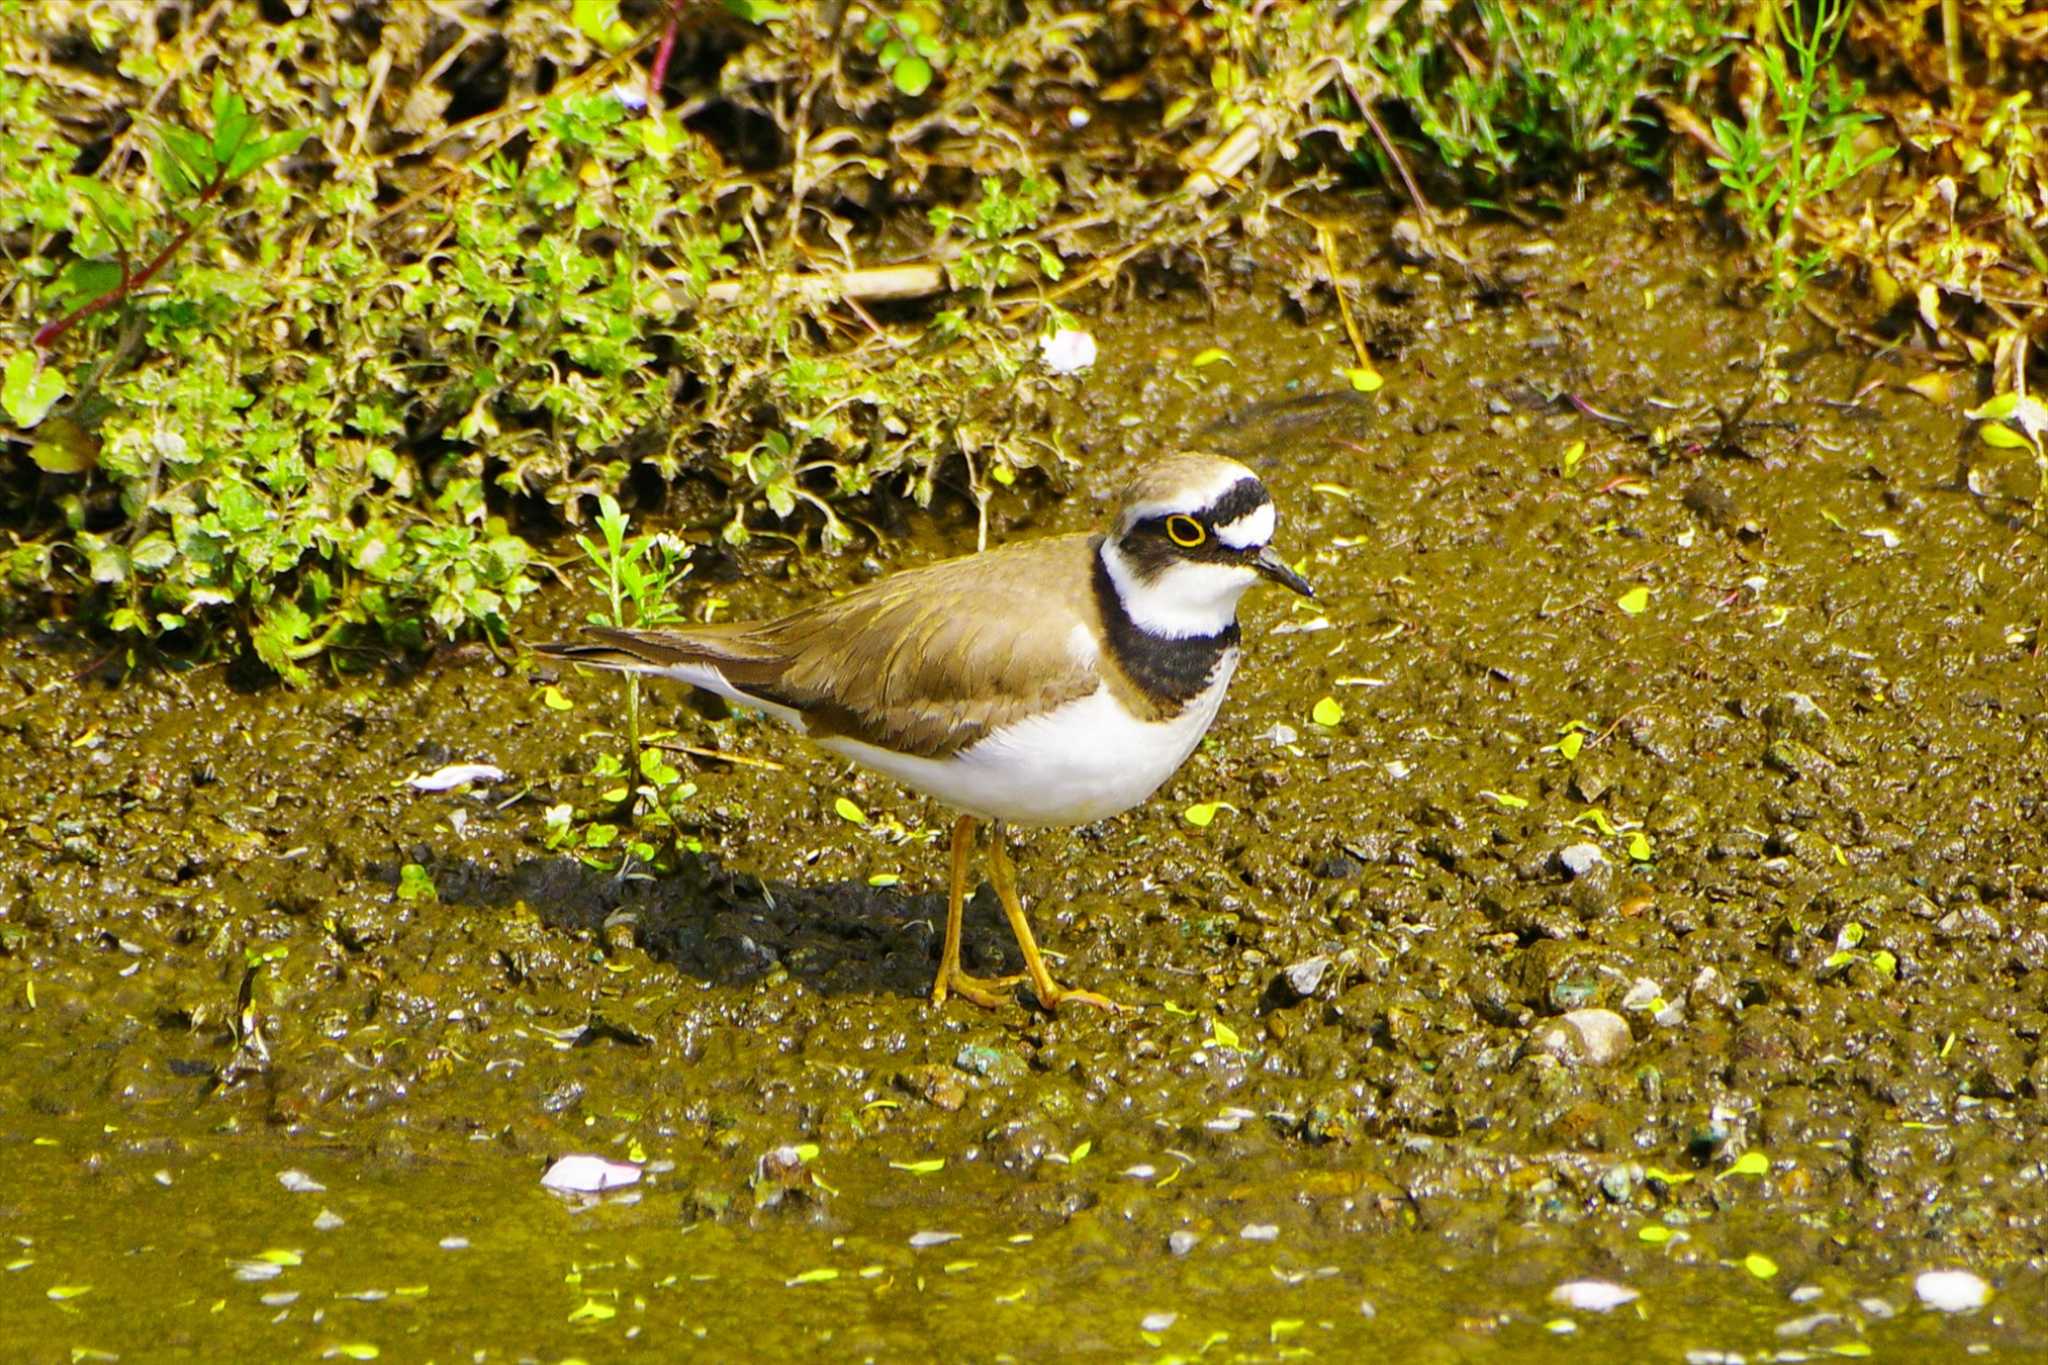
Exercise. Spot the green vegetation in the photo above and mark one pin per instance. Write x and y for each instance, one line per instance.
(1794, 148)
(326, 323)
(641, 794)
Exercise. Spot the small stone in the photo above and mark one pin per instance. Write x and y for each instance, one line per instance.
(1619, 1182)
(1260, 1232)
(1592, 1296)
(298, 1182)
(921, 1240)
(1589, 1037)
(1951, 1291)
(1576, 860)
(453, 1243)
(582, 1173)
(1301, 979)
(1182, 1242)
(1806, 1326)
(1158, 1322)
(327, 1220)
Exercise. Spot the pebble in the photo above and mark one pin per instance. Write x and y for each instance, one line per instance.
(1808, 1325)
(582, 1173)
(455, 775)
(1592, 1037)
(1182, 1242)
(327, 1220)
(1158, 1322)
(1303, 977)
(933, 1239)
(1592, 1296)
(1951, 1291)
(1260, 1232)
(1576, 860)
(298, 1182)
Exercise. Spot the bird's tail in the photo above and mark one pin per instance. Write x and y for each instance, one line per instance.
(651, 651)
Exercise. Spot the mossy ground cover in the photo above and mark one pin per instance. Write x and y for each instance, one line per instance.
(326, 320)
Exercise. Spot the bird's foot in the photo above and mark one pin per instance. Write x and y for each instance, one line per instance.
(989, 992)
(1061, 995)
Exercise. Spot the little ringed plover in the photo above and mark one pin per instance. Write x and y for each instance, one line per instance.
(1052, 682)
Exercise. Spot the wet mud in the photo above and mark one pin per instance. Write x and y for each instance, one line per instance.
(1661, 905)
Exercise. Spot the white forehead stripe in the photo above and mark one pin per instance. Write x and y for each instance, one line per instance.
(1253, 528)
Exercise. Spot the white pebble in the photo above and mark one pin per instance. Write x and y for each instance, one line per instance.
(1158, 1322)
(1951, 1291)
(933, 1239)
(1182, 1242)
(585, 1174)
(1067, 351)
(454, 1244)
(298, 1182)
(1593, 1296)
(327, 1220)
(455, 775)
(1260, 1232)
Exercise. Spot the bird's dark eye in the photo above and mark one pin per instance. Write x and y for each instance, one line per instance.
(1185, 532)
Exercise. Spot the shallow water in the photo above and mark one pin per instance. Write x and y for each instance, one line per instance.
(1817, 749)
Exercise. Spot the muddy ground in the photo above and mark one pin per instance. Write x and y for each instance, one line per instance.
(1794, 865)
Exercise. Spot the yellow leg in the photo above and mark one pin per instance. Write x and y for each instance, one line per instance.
(983, 991)
(1004, 875)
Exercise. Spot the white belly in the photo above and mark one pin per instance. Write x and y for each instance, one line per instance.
(1084, 761)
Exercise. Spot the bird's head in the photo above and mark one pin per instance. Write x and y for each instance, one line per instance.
(1193, 531)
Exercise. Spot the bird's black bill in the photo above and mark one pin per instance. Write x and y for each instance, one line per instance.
(1274, 567)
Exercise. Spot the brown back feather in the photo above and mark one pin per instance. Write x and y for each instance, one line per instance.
(925, 662)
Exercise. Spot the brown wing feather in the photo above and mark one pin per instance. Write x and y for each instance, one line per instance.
(924, 662)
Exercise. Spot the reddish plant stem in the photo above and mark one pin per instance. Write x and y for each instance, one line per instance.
(50, 331)
(658, 74)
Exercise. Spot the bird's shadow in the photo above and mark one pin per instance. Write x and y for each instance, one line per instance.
(731, 928)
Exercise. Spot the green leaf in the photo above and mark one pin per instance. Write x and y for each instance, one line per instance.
(414, 884)
(63, 447)
(192, 153)
(115, 210)
(30, 389)
(250, 155)
(1328, 712)
(154, 551)
(1750, 1163)
(912, 75)
(231, 121)
(599, 21)
(1760, 1265)
(761, 11)
(2001, 437)
(929, 1166)
(849, 812)
(1634, 602)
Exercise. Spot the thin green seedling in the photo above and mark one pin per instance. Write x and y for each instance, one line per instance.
(1795, 147)
(638, 576)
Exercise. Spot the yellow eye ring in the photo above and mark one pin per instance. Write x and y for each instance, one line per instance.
(1185, 532)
